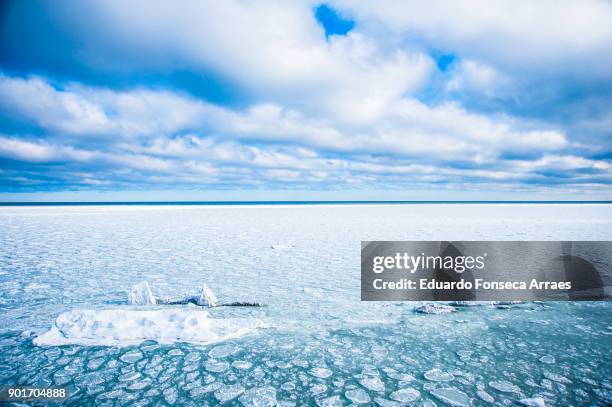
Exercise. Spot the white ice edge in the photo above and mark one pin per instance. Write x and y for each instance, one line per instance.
(120, 327)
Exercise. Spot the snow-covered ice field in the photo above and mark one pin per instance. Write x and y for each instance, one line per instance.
(314, 341)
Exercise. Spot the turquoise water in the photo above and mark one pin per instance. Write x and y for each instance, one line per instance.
(321, 344)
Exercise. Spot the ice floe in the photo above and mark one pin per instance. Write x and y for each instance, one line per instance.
(406, 395)
(141, 294)
(533, 402)
(387, 403)
(484, 396)
(216, 366)
(556, 377)
(452, 397)
(357, 396)
(259, 397)
(436, 375)
(548, 359)
(229, 392)
(207, 297)
(333, 401)
(242, 364)
(505, 386)
(434, 309)
(126, 327)
(373, 383)
(320, 372)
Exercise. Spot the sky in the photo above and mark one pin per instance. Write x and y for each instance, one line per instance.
(241, 100)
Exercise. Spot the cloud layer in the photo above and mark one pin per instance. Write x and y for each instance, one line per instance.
(131, 99)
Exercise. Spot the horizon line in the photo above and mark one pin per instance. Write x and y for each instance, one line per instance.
(291, 202)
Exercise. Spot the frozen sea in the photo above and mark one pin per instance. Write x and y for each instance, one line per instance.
(314, 342)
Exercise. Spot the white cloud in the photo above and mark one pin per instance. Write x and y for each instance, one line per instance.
(32, 151)
(469, 76)
(564, 163)
(82, 111)
(407, 128)
(36, 100)
(544, 36)
(275, 50)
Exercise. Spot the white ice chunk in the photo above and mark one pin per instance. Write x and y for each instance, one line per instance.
(556, 377)
(406, 395)
(434, 309)
(333, 401)
(436, 375)
(120, 327)
(259, 397)
(548, 359)
(505, 386)
(141, 294)
(357, 396)
(207, 297)
(372, 383)
(452, 397)
(228, 392)
(320, 372)
(534, 402)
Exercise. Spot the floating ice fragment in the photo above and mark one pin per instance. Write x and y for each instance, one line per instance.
(533, 402)
(318, 389)
(288, 386)
(464, 354)
(26, 334)
(209, 388)
(207, 297)
(126, 377)
(131, 356)
(372, 383)
(452, 396)
(242, 364)
(170, 395)
(556, 377)
(470, 303)
(436, 375)
(320, 372)
(548, 359)
(386, 403)
(216, 366)
(228, 392)
(221, 351)
(484, 396)
(505, 386)
(357, 396)
(259, 397)
(93, 364)
(401, 377)
(140, 384)
(141, 294)
(434, 309)
(333, 401)
(406, 395)
(122, 327)
(507, 303)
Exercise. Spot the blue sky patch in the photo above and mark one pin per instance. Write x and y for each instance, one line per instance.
(332, 21)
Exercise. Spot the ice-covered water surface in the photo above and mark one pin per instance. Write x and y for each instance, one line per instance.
(321, 345)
